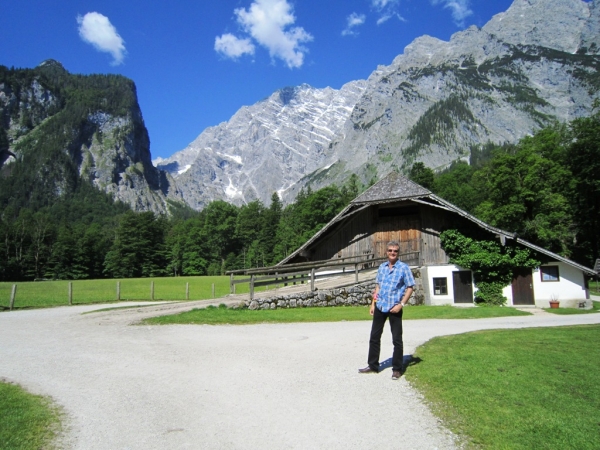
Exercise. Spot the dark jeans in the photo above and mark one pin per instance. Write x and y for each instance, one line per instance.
(379, 319)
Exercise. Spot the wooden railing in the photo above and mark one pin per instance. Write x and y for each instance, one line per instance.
(310, 271)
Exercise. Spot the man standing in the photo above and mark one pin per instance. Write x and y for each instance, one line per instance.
(395, 285)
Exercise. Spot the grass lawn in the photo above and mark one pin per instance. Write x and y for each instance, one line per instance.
(567, 311)
(223, 315)
(42, 294)
(535, 388)
(27, 421)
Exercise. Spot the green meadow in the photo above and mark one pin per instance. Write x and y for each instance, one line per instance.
(535, 388)
(41, 294)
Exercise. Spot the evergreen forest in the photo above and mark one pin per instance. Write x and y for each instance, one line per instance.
(546, 188)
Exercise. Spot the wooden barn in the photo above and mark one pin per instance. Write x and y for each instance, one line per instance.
(398, 209)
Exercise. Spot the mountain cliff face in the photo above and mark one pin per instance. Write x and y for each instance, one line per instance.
(532, 65)
(264, 148)
(62, 127)
(529, 66)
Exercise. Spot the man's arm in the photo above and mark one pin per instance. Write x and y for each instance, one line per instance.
(375, 295)
(404, 300)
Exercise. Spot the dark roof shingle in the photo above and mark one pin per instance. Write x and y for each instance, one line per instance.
(393, 187)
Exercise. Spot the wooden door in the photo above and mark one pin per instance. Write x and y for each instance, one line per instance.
(462, 282)
(522, 287)
(404, 229)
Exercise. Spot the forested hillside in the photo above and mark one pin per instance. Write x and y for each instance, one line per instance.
(86, 235)
(65, 130)
(546, 188)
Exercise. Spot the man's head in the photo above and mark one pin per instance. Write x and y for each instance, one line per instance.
(393, 248)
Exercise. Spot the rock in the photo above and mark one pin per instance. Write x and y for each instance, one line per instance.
(263, 148)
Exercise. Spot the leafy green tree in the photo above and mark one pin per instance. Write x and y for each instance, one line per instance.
(302, 219)
(584, 163)
(42, 232)
(528, 191)
(61, 265)
(268, 233)
(352, 188)
(493, 265)
(196, 254)
(175, 243)
(422, 175)
(458, 184)
(219, 223)
(138, 249)
(249, 223)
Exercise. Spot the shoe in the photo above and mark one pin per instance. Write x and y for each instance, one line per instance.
(396, 374)
(367, 370)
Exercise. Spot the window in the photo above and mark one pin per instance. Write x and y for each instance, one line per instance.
(549, 273)
(440, 286)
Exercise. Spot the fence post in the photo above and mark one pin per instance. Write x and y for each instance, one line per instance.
(231, 285)
(251, 287)
(187, 291)
(213, 290)
(355, 273)
(118, 290)
(12, 296)
(70, 293)
(152, 290)
(312, 279)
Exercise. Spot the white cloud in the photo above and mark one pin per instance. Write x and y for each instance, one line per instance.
(386, 10)
(353, 20)
(268, 22)
(233, 47)
(460, 9)
(96, 29)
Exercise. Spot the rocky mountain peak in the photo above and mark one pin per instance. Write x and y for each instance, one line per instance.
(51, 63)
(526, 68)
(263, 148)
(557, 24)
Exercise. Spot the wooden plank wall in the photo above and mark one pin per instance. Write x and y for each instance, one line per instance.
(351, 239)
(404, 229)
(368, 234)
(434, 221)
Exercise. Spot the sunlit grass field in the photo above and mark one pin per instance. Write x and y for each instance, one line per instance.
(223, 315)
(532, 388)
(39, 294)
(28, 421)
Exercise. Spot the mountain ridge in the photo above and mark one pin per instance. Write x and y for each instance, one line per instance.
(70, 127)
(535, 63)
(249, 156)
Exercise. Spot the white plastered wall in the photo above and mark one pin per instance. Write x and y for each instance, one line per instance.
(569, 290)
(443, 271)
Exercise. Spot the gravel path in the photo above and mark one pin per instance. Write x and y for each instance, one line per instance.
(225, 387)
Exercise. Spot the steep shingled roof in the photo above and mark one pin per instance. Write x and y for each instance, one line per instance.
(393, 187)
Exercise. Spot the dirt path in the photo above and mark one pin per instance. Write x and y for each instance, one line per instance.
(225, 387)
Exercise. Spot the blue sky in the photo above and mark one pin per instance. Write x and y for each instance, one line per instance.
(195, 63)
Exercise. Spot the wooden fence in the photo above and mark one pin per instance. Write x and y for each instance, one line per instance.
(309, 272)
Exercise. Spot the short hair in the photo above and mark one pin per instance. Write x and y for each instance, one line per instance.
(393, 244)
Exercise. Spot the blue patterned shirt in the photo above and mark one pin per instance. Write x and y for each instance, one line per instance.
(392, 284)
